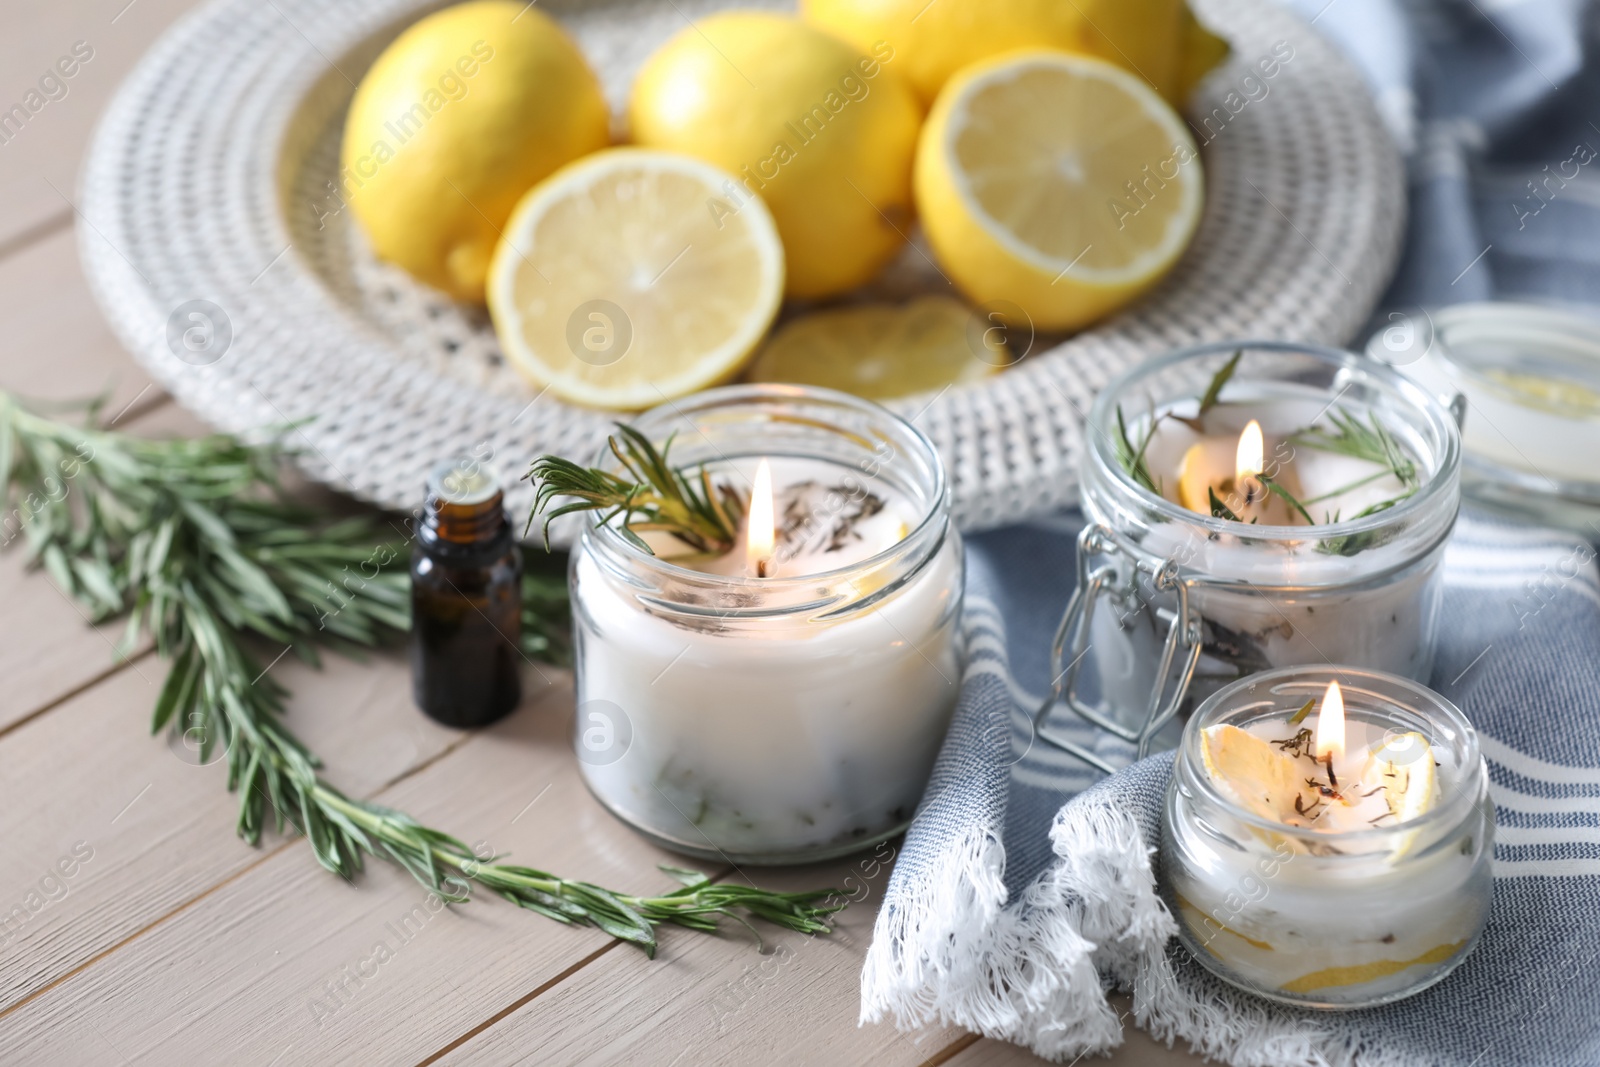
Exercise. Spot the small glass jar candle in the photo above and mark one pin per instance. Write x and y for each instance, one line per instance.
(1173, 602)
(789, 711)
(1341, 894)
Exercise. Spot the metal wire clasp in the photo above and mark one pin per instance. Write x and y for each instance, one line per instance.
(1072, 639)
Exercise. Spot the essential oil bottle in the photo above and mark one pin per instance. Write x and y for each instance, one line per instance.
(466, 599)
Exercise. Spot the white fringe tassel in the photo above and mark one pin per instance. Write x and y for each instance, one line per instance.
(1036, 972)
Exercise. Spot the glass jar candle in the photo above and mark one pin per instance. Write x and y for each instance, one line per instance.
(1525, 379)
(1319, 916)
(1173, 603)
(785, 714)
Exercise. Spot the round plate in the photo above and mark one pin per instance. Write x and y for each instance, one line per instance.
(215, 241)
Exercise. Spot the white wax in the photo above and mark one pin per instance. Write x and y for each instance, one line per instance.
(1333, 487)
(777, 735)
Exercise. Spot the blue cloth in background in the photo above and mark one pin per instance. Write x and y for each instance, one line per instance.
(1496, 104)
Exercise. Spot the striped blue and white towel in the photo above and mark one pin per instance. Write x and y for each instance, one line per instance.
(1016, 900)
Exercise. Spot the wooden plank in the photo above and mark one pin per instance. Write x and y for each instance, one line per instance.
(57, 345)
(283, 960)
(718, 1001)
(1139, 1049)
(40, 155)
(58, 348)
(158, 828)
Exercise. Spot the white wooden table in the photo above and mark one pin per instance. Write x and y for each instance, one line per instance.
(173, 942)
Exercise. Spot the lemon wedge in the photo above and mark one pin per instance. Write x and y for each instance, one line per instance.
(1059, 182)
(1404, 765)
(627, 279)
(1259, 777)
(883, 351)
(1211, 466)
(1360, 973)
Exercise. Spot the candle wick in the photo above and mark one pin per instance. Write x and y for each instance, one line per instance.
(761, 567)
(1333, 779)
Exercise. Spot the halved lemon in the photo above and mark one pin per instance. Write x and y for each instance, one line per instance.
(1059, 182)
(883, 351)
(630, 277)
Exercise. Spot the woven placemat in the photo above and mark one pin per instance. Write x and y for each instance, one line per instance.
(214, 243)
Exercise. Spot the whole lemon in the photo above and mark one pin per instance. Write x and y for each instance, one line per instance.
(463, 113)
(824, 134)
(1159, 40)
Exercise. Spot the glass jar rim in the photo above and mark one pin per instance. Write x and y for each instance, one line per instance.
(1439, 420)
(1447, 812)
(935, 509)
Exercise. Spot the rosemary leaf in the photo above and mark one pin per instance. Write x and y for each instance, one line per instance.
(1212, 395)
(1219, 510)
(1289, 498)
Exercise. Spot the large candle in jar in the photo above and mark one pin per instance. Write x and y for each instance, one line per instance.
(1327, 836)
(781, 696)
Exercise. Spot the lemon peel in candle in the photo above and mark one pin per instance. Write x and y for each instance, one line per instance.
(1253, 773)
(1356, 974)
(1404, 766)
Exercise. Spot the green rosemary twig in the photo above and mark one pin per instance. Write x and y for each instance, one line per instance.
(192, 541)
(655, 496)
(1287, 497)
(1132, 457)
(1212, 395)
(1362, 440)
(1219, 510)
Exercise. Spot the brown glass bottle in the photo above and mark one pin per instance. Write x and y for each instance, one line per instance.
(466, 599)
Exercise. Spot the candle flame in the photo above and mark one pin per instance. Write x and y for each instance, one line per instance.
(1330, 725)
(1250, 459)
(760, 531)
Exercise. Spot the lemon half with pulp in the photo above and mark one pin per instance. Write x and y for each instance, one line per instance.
(627, 279)
(1059, 182)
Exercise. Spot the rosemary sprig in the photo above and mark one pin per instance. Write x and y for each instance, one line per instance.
(1219, 510)
(193, 540)
(1276, 488)
(1356, 543)
(1132, 457)
(1368, 440)
(1212, 395)
(677, 500)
